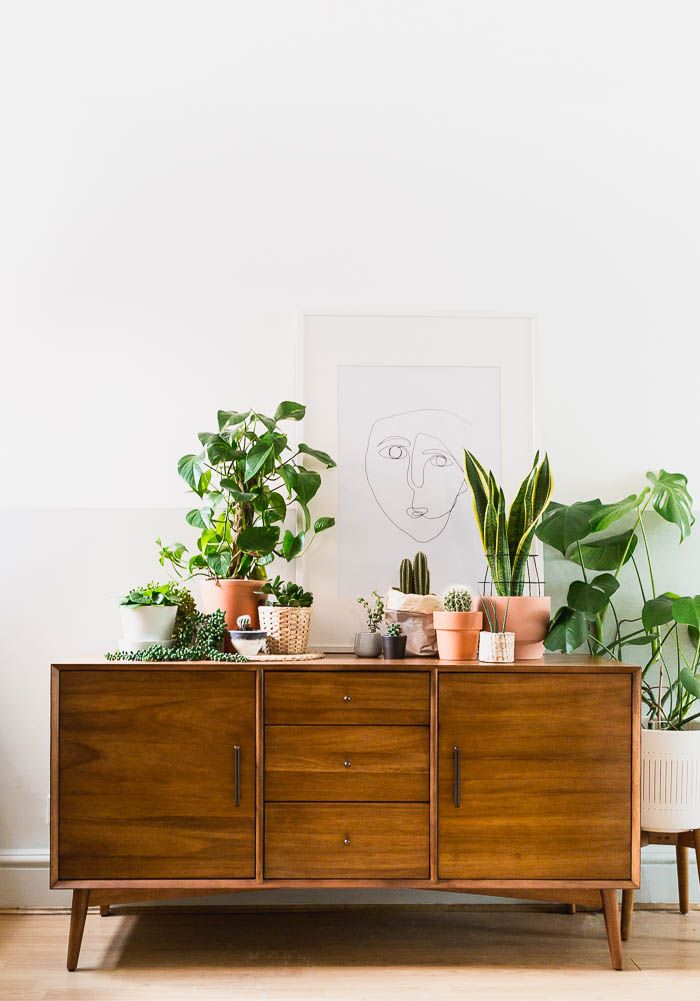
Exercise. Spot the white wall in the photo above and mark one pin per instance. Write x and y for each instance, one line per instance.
(179, 180)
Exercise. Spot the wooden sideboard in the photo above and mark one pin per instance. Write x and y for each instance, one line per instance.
(175, 779)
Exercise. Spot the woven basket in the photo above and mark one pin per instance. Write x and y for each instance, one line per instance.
(287, 628)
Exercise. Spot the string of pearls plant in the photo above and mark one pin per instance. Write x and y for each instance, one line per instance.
(197, 637)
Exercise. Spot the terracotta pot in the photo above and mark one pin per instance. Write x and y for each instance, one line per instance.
(458, 634)
(528, 618)
(233, 597)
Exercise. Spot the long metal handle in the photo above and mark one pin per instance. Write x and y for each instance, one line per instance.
(237, 775)
(457, 790)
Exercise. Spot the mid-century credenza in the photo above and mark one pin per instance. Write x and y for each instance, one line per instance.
(177, 779)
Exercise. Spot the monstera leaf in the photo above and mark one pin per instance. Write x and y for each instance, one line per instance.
(672, 501)
(565, 524)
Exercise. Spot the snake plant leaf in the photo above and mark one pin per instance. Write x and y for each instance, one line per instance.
(568, 631)
(563, 524)
(686, 611)
(478, 481)
(290, 411)
(608, 514)
(502, 558)
(690, 682)
(587, 598)
(518, 516)
(605, 554)
(537, 494)
(658, 611)
(323, 457)
(258, 539)
(672, 501)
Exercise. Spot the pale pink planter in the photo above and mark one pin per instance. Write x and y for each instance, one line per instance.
(528, 618)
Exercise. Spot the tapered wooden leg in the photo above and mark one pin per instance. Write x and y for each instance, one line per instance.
(627, 911)
(78, 911)
(696, 838)
(682, 871)
(104, 910)
(570, 908)
(612, 927)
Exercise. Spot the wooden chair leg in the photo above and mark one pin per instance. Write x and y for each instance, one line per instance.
(78, 912)
(627, 911)
(612, 927)
(682, 871)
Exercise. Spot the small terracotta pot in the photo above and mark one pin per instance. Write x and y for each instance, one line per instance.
(458, 634)
(233, 597)
(528, 618)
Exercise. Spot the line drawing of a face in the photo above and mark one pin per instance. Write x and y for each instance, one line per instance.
(414, 469)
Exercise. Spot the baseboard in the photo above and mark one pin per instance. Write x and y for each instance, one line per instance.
(24, 882)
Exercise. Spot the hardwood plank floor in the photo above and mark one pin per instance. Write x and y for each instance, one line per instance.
(384, 953)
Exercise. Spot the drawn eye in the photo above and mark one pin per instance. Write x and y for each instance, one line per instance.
(393, 452)
(440, 460)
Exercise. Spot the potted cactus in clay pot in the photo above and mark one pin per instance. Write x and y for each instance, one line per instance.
(412, 604)
(458, 625)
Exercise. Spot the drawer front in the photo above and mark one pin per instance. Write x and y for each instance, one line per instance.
(347, 763)
(346, 841)
(347, 697)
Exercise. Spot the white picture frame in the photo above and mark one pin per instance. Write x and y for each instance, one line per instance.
(329, 342)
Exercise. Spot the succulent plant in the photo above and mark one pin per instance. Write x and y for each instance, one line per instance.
(375, 612)
(406, 577)
(457, 599)
(201, 637)
(394, 629)
(243, 623)
(421, 574)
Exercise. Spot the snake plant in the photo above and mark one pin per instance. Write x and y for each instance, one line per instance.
(507, 535)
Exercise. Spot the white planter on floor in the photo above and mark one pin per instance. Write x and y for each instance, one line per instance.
(146, 624)
(670, 780)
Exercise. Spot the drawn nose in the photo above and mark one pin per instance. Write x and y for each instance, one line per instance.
(416, 512)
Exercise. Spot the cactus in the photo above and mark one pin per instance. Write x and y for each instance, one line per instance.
(394, 629)
(421, 574)
(457, 599)
(406, 577)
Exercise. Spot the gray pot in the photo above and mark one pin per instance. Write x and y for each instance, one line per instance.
(368, 644)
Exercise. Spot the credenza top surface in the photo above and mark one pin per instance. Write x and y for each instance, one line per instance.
(549, 664)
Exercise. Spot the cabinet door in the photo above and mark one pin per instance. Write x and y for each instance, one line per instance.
(151, 784)
(535, 776)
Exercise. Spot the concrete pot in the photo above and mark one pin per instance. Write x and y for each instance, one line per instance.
(368, 644)
(670, 780)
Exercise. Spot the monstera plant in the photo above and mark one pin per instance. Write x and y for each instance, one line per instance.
(246, 478)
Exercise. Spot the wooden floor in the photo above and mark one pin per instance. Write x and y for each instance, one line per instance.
(411, 953)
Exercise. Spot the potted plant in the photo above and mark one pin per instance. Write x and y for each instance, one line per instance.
(496, 646)
(247, 477)
(666, 629)
(286, 617)
(245, 640)
(148, 614)
(412, 604)
(394, 643)
(457, 626)
(369, 643)
(507, 537)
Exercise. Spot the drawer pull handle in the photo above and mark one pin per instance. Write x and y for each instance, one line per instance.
(237, 775)
(457, 790)
(347, 698)
(346, 763)
(346, 841)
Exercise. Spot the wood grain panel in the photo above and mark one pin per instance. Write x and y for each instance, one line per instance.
(345, 763)
(346, 841)
(354, 697)
(546, 776)
(146, 774)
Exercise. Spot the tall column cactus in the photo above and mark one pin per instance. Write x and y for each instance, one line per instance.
(406, 577)
(421, 574)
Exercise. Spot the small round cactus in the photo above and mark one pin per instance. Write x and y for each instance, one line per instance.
(394, 629)
(457, 599)
(243, 623)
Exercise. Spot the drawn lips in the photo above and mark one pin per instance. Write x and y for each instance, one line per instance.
(416, 512)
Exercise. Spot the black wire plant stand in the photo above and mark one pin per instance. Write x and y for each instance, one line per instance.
(533, 582)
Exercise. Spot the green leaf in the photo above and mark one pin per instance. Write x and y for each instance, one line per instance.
(257, 457)
(219, 563)
(292, 545)
(672, 501)
(278, 505)
(568, 631)
(229, 418)
(686, 611)
(323, 457)
(305, 484)
(607, 583)
(321, 524)
(239, 496)
(269, 422)
(258, 539)
(586, 598)
(288, 473)
(607, 514)
(191, 469)
(199, 517)
(563, 525)
(658, 611)
(217, 449)
(289, 411)
(607, 553)
(690, 682)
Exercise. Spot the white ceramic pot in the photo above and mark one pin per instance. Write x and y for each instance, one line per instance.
(496, 648)
(671, 780)
(147, 624)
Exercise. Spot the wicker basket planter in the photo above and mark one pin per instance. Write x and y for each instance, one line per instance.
(287, 628)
